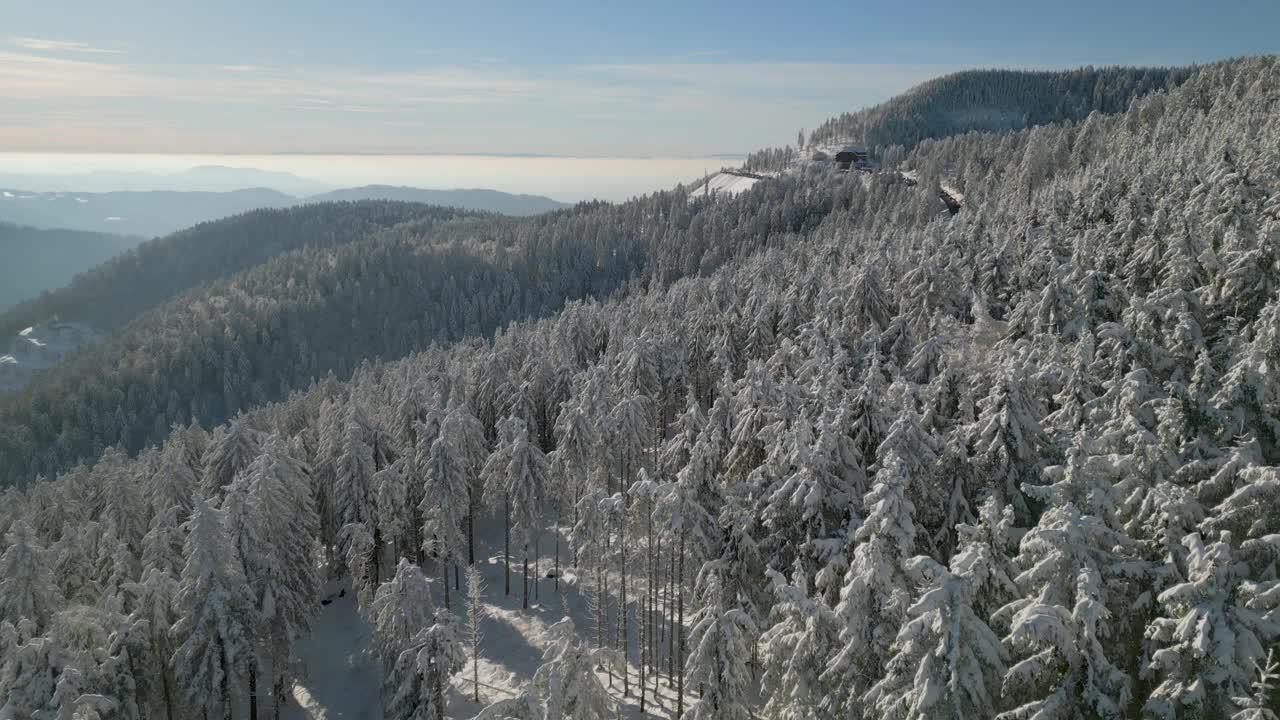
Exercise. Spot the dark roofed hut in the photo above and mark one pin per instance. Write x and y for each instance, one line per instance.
(851, 156)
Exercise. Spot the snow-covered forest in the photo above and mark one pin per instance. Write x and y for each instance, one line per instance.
(823, 449)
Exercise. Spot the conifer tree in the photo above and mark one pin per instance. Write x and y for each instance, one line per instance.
(722, 638)
(1212, 630)
(215, 615)
(946, 661)
(26, 589)
(876, 591)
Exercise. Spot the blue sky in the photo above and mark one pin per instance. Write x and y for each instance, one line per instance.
(575, 78)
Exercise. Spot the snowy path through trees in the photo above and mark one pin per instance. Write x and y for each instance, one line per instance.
(338, 681)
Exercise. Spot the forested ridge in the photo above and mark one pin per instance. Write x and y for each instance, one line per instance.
(255, 336)
(984, 101)
(125, 286)
(873, 460)
(36, 259)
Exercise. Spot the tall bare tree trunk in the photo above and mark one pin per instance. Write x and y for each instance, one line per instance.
(671, 611)
(506, 540)
(644, 650)
(165, 682)
(625, 620)
(253, 687)
(471, 525)
(226, 685)
(679, 659)
(444, 576)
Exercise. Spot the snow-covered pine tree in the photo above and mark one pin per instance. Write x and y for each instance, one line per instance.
(173, 482)
(1260, 704)
(215, 612)
(419, 674)
(517, 470)
(684, 433)
(28, 671)
(154, 613)
(26, 589)
(722, 639)
(985, 558)
(230, 450)
(877, 590)
(795, 649)
(124, 507)
(1212, 630)
(162, 545)
(358, 541)
(277, 537)
(395, 514)
(354, 492)
(1008, 441)
(444, 505)
(946, 661)
(400, 610)
(691, 535)
(1059, 632)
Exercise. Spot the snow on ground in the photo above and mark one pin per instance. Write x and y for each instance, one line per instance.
(727, 183)
(41, 347)
(340, 681)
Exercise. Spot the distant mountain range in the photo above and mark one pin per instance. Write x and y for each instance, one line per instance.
(153, 213)
(202, 178)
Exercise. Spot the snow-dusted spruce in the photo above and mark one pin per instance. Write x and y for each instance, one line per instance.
(516, 471)
(1258, 705)
(418, 677)
(946, 661)
(230, 450)
(401, 608)
(272, 523)
(877, 590)
(721, 639)
(1211, 635)
(444, 505)
(216, 615)
(795, 648)
(27, 591)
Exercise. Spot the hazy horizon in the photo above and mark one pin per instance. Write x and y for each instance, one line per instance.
(563, 178)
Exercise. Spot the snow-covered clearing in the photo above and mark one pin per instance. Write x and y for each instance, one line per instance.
(728, 184)
(339, 680)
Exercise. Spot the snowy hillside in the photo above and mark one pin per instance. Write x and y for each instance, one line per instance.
(41, 347)
(824, 450)
(726, 183)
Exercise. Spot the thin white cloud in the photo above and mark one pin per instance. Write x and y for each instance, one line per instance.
(48, 45)
(681, 106)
